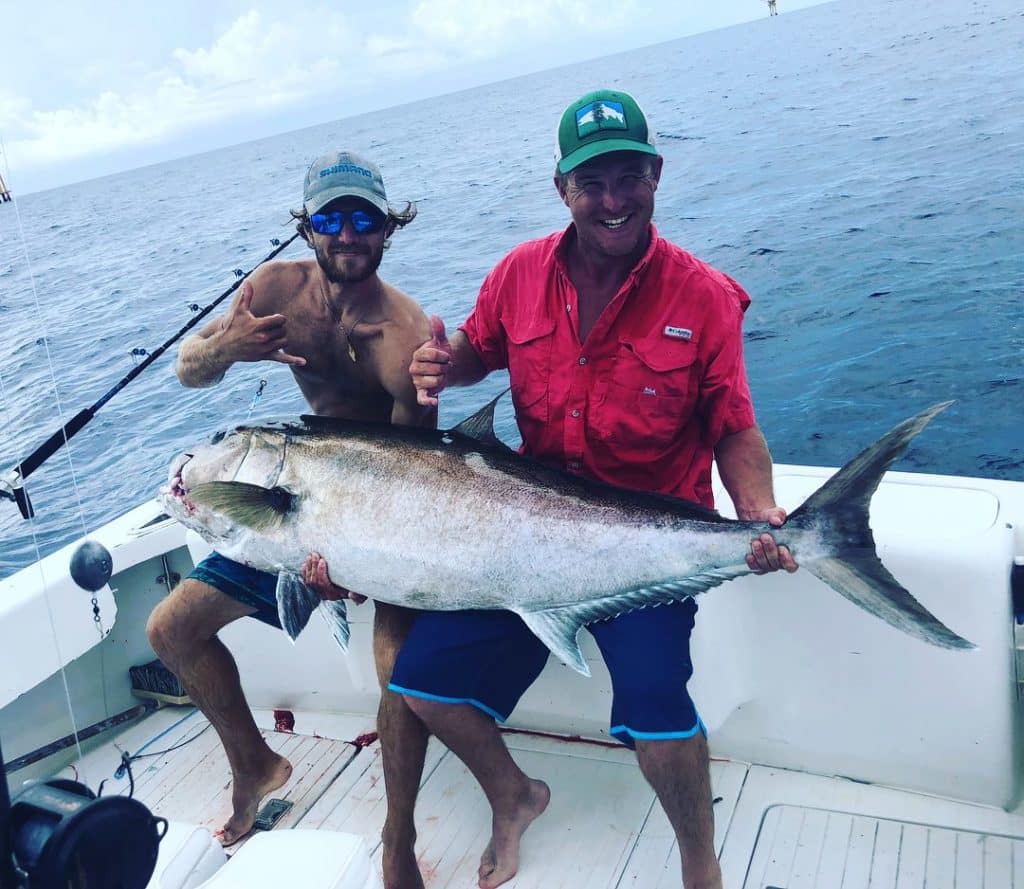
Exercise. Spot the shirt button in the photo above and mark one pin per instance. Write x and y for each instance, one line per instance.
(583, 361)
(575, 413)
(568, 307)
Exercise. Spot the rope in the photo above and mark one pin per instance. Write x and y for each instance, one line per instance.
(32, 525)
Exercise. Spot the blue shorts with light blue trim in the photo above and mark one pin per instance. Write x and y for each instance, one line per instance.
(489, 658)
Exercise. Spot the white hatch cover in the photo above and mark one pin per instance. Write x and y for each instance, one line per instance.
(801, 848)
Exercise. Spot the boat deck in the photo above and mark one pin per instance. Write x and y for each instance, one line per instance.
(604, 828)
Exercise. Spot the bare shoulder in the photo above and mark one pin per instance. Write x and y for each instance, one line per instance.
(275, 285)
(403, 327)
(407, 321)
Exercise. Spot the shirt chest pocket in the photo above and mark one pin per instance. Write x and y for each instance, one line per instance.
(649, 396)
(529, 368)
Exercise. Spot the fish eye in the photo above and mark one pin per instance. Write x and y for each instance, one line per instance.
(218, 437)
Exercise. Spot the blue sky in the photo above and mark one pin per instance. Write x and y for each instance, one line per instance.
(90, 87)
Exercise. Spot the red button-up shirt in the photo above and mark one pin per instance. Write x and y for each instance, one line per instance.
(657, 383)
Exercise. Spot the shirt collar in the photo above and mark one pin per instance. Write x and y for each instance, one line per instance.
(567, 237)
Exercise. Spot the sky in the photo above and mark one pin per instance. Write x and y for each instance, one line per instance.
(92, 87)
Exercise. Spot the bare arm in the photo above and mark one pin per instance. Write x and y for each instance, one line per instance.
(746, 469)
(412, 413)
(441, 362)
(199, 360)
(745, 466)
(241, 335)
(406, 409)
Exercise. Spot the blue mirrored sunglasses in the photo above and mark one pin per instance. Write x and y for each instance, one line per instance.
(363, 222)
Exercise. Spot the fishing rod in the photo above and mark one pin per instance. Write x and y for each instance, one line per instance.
(12, 486)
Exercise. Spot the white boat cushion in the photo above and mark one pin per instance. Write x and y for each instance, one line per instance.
(188, 856)
(312, 859)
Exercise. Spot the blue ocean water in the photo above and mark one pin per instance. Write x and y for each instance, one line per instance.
(858, 168)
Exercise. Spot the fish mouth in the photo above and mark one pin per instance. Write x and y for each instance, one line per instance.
(177, 488)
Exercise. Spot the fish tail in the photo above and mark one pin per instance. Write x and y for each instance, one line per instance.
(839, 512)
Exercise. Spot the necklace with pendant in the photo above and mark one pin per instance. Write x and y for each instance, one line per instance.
(348, 339)
(345, 332)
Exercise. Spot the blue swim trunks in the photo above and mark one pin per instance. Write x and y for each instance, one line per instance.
(257, 589)
(489, 658)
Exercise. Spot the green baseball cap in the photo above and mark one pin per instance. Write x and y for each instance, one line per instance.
(599, 122)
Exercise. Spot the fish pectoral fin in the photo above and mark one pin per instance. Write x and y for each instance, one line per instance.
(296, 601)
(252, 506)
(558, 628)
(335, 615)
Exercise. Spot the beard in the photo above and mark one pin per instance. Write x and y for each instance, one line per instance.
(349, 268)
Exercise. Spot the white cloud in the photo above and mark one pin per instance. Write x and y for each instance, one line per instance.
(379, 45)
(255, 66)
(259, 64)
(232, 55)
(487, 28)
(253, 49)
(13, 109)
(160, 83)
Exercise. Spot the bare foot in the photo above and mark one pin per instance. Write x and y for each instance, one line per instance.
(247, 792)
(500, 860)
(400, 868)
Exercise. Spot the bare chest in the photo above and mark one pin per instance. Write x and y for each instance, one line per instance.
(339, 378)
(592, 302)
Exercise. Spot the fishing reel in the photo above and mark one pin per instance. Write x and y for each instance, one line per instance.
(60, 834)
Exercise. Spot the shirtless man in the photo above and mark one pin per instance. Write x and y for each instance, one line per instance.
(347, 337)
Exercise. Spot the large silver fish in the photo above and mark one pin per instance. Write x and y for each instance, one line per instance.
(446, 520)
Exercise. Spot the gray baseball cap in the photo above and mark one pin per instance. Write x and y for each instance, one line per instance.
(343, 174)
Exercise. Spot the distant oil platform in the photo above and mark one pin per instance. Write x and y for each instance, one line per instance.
(5, 194)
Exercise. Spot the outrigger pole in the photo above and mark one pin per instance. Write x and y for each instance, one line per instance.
(12, 486)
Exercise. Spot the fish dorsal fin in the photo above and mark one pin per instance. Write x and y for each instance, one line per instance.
(480, 426)
(559, 627)
(252, 506)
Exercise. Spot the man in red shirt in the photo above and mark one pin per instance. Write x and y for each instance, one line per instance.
(625, 356)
